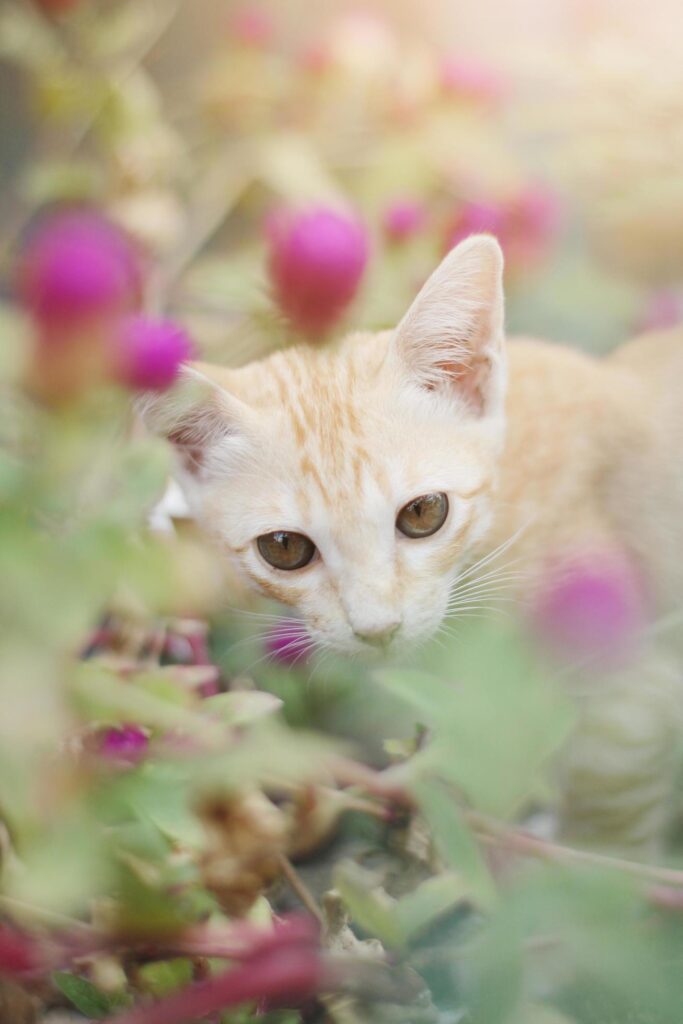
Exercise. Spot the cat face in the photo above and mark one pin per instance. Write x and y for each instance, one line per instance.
(352, 483)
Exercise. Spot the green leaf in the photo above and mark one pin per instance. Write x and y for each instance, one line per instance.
(454, 839)
(429, 901)
(165, 976)
(370, 907)
(494, 729)
(88, 999)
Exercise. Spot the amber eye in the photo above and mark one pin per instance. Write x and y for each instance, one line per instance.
(423, 516)
(285, 550)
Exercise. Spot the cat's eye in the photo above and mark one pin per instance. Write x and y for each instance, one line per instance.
(423, 516)
(285, 550)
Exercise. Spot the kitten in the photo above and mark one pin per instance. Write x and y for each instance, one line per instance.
(355, 483)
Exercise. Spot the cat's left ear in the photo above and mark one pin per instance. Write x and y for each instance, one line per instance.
(451, 338)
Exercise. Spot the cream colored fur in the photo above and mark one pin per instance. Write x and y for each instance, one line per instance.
(529, 440)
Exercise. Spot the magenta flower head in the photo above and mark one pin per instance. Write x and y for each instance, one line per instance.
(473, 218)
(531, 223)
(76, 267)
(663, 308)
(151, 352)
(403, 219)
(470, 79)
(289, 642)
(252, 26)
(591, 605)
(127, 744)
(316, 261)
(525, 224)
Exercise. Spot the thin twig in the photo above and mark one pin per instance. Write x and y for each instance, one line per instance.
(300, 888)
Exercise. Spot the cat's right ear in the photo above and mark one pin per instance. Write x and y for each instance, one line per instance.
(199, 417)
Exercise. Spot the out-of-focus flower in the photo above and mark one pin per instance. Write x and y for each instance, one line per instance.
(316, 58)
(151, 352)
(524, 224)
(591, 605)
(252, 26)
(127, 744)
(288, 642)
(470, 79)
(78, 266)
(664, 308)
(403, 219)
(57, 6)
(316, 262)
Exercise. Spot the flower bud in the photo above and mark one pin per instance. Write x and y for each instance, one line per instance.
(590, 605)
(316, 262)
(252, 26)
(289, 642)
(403, 219)
(469, 79)
(150, 353)
(127, 744)
(78, 267)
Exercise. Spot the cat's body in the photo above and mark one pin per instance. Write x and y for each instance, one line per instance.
(356, 484)
(594, 453)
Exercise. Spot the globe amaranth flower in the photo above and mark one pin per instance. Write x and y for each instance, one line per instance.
(252, 26)
(525, 224)
(127, 744)
(316, 262)
(150, 352)
(403, 219)
(470, 79)
(288, 642)
(77, 267)
(591, 605)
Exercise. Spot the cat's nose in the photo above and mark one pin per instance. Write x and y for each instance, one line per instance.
(378, 636)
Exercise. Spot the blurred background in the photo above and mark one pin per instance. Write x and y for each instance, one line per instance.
(556, 125)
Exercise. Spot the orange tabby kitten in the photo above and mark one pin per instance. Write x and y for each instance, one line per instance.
(357, 483)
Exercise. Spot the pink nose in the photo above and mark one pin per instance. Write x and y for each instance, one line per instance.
(378, 636)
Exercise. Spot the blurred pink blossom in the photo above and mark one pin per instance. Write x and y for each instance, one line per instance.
(126, 743)
(316, 261)
(471, 79)
(664, 308)
(151, 352)
(591, 605)
(403, 219)
(288, 642)
(78, 266)
(525, 225)
(252, 26)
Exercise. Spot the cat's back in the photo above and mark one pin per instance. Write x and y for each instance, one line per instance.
(594, 445)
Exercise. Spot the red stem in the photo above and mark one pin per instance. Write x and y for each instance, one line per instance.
(284, 976)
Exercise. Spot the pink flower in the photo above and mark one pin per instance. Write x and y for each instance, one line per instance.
(252, 26)
(127, 744)
(664, 308)
(288, 642)
(475, 217)
(462, 76)
(403, 219)
(591, 604)
(151, 352)
(524, 224)
(316, 262)
(76, 267)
